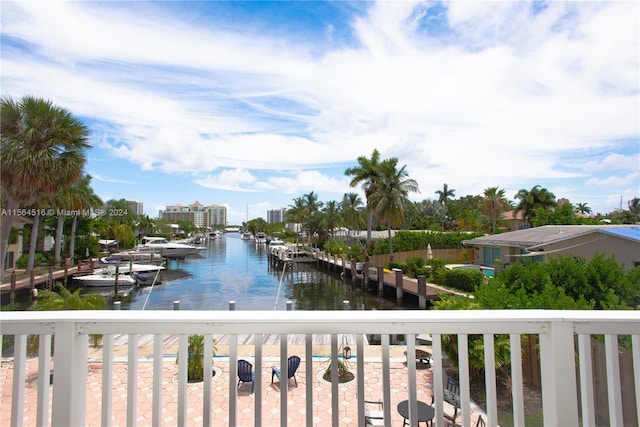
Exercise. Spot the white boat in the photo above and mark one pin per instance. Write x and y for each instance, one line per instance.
(140, 272)
(166, 248)
(106, 279)
(260, 237)
(277, 243)
(213, 234)
(246, 236)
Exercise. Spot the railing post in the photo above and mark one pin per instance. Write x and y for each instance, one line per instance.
(399, 281)
(70, 376)
(422, 291)
(380, 271)
(559, 400)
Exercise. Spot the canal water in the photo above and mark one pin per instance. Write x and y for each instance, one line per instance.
(231, 269)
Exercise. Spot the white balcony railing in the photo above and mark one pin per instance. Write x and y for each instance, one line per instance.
(566, 367)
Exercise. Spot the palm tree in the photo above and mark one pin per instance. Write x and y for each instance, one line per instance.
(331, 217)
(494, 204)
(445, 194)
(533, 199)
(295, 213)
(43, 149)
(63, 299)
(84, 199)
(390, 193)
(366, 173)
(351, 208)
(634, 209)
(312, 207)
(582, 208)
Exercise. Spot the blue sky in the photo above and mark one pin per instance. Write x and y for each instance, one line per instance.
(252, 104)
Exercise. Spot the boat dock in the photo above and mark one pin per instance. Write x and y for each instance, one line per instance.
(365, 274)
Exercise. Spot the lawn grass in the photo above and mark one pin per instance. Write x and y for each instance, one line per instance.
(530, 420)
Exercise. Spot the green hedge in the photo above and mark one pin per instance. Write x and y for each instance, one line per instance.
(405, 241)
(464, 279)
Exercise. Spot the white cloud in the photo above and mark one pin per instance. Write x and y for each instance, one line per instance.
(629, 180)
(495, 102)
(615, 161)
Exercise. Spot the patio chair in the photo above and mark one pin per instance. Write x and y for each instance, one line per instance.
(373, 413)
(292, 366)
(245, 373)
(451, 397)
(481, 422)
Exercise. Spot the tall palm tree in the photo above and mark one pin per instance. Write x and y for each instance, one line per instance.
(533, 199)
(493, 204)
(366, 173)
(312, 208)
(331, 218)
(390, 193)
(295, 213)
(582, 208)
(634, 209)
(85, 199)
(351, 208)
(43, 149)
(445, 194)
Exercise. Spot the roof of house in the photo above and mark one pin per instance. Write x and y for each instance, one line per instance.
(538, 236)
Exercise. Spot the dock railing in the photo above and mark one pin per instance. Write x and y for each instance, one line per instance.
(565, 359)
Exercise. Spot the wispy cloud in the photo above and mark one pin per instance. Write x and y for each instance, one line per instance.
(475, 94)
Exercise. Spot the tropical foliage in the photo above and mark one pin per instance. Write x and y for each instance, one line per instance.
(43, 150)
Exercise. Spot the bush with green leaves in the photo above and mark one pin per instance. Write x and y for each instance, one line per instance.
(404, 241)
(195, 362)
(467, 280)
(335, 247)
(437, 270)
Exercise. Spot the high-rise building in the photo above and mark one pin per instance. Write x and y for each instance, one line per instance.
(206, 217)
(135, 207)
(275, 216)
(217, 216)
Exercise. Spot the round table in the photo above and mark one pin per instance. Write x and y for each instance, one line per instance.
(425, 411)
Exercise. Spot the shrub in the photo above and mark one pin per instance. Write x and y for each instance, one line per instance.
(336, 248)
(40, 259)
(464, 279)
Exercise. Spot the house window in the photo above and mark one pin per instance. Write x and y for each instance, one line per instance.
(490, 255)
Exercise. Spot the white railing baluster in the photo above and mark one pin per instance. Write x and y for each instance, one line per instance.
(284, 384)
(517, 393)
(557, 353)
(208, 380)
(44, 371)
(411, 373)
(587, 399)
(438, 388)
(132, 380)
(19, 377)
(463, 371)
(107, 380)
(613, 380)
(490, 379)
(70, 374)
(183, 366)
(335, 401)
(360, 371)
(158, 379)
(635, 342)
(233, 380)
(258, 381)
(386, 379)
(308, 342)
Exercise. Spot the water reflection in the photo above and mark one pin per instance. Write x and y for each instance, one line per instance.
(239, 270)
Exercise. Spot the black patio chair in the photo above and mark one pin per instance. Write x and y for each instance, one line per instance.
(292, 366)
(245, 373)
